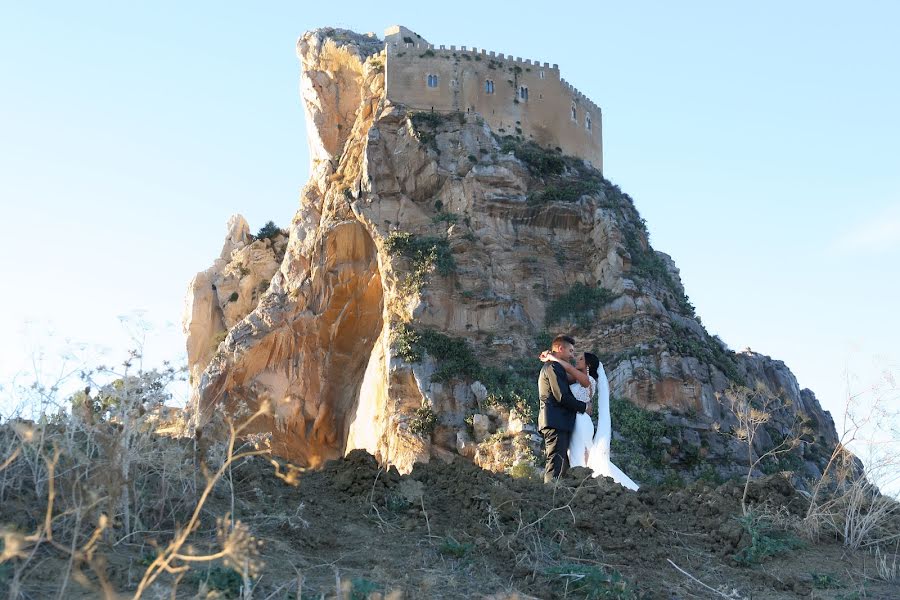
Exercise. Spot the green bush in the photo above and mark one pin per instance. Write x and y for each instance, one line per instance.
(423, 422)
(825, 581)
(512, 390)
(788, 461)
(405, 341)
(522, 470)
(542, 340)
(217, 339)
(432, 120)
(512, 387)
(445, 217)
(634, 459)
(396, 502)
(638, 425)
(424, 125)
(686, 342)
(578, 304)
(671, 480)
(425, 253)
(564, 190)
(454, 356)
(362, 588)
(591, 582)
(647, 264)
(268, 231)
(541, 162)
(709, 474)
(451, 547)
(224, 580)
(764, 542)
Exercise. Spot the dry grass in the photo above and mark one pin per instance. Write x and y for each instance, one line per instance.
(847, 502)
(79, 488)
(95, 503)
(752, 409)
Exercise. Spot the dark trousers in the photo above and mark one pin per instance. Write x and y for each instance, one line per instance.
(556, 449)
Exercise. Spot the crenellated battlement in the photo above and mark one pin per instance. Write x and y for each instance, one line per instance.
(513, 94)
(578, 95)
(396, 47)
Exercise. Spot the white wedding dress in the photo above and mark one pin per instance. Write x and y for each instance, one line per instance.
(589, 449)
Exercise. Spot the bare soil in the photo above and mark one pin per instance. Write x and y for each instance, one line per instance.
(457, 531)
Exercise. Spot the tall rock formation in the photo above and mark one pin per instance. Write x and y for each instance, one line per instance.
(429, 260)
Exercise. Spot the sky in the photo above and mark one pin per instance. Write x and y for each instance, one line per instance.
(760, 141)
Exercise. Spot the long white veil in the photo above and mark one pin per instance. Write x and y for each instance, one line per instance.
(598, 458)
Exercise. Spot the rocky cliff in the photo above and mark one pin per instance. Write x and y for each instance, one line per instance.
(429, 261)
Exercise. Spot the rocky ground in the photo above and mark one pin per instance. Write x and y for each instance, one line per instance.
(457, 531)
(445, 531)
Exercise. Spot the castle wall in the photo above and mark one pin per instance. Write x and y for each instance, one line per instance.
(544, 117)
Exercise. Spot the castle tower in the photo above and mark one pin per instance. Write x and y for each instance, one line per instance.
(514, 96)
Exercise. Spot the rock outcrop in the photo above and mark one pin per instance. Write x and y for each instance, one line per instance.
(228, 291)
(427, 263)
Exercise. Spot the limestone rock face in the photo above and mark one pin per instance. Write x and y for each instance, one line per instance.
(330, 84)
(428, 261)
(227, 291)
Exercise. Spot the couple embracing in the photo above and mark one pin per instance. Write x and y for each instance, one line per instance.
(568, 395)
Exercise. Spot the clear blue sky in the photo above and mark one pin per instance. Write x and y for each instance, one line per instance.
(761, 143)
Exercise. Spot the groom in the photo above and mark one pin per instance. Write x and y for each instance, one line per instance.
(558, 408)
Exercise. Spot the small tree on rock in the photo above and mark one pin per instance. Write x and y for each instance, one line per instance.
(753, 409)
(268, 231)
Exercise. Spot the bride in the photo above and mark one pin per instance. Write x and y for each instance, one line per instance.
(586, 448)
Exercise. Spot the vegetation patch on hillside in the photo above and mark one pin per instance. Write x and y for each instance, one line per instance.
(579, 304)
(270, 231)
(425, 125)
(425, 253)
(687, 343)
(512, 387)
(567, 179)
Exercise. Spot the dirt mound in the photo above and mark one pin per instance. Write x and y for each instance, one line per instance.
(356, 530)
(457, 531)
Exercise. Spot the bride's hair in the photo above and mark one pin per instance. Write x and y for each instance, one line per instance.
(593, 364)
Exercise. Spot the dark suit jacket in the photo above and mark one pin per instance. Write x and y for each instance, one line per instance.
(558, 404)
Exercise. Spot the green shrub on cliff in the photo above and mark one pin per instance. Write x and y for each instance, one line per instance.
(686, 342)
(541, 162)
(268, 231)
(512, 387)
(564, 191)
(423, 421)
(641, 426)
(578, 304)
(426, 254)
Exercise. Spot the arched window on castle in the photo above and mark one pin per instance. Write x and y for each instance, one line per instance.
(542, 73)
(488, 86)
(574, 112)
(432, 81)
(587, 122)
(523, 93)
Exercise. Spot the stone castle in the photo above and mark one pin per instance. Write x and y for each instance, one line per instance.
(514, 96)
(403, 309)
